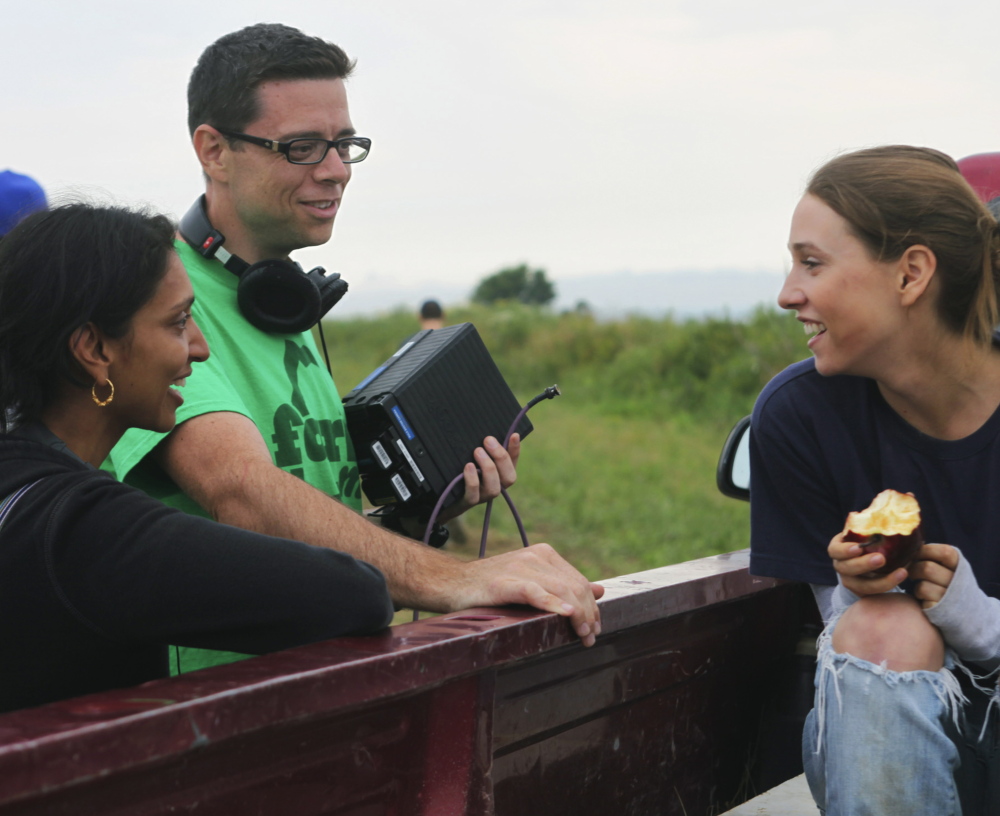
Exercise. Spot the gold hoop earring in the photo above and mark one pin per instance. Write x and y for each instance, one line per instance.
(93, 394)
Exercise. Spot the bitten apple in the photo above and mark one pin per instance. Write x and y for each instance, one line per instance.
(889, 525)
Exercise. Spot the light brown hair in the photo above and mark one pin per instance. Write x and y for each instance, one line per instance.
(898, 196)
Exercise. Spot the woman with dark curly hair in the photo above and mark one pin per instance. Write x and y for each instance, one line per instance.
(96, 578)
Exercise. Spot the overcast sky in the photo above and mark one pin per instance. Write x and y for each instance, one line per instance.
(584, 137)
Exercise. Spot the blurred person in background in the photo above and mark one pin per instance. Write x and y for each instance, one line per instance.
(431, 315)
(20, 196)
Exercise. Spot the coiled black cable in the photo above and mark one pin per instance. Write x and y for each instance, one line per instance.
(549, 393)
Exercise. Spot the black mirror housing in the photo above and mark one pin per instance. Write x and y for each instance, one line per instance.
(733, 472)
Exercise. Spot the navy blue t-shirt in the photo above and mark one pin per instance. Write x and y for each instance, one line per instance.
(821, 447)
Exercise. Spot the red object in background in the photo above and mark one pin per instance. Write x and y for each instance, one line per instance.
(982, 171)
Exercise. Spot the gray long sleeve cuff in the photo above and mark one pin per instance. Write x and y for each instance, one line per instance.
(969, 619)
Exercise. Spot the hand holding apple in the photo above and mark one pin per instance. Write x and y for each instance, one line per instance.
(855, 567)
(890, 525)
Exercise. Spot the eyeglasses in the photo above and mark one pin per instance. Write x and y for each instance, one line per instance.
(350, 149)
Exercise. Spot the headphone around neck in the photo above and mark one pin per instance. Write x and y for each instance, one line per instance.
(276, 296)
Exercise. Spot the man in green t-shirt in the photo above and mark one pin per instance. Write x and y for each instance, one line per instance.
(261, 441)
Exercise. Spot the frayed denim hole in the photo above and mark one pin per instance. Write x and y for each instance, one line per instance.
(944, 683)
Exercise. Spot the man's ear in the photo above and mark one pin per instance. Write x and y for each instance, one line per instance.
(212, 150)
(916, 269)
(90, 350)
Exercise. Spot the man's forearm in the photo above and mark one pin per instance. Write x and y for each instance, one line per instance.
(221, 461)
(276, 503)
(245, 489)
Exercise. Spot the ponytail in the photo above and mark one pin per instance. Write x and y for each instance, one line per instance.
(985, 314)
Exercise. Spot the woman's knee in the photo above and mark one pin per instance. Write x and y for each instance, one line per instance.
(890, 629)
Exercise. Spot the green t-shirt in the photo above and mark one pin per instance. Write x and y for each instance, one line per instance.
(276, 380)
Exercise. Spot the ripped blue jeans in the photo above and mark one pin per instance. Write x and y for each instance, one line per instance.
(881, 742)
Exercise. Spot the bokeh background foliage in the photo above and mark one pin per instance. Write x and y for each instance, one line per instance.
(619, 474)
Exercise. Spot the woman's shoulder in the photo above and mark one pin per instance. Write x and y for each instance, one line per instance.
(57, 478)
(801, 390)
(25, 461)
(790, 378)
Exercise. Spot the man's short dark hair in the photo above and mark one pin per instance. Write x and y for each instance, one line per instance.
(222, 91)
(431, 310)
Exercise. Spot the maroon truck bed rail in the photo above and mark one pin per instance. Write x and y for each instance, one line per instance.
(480, 712)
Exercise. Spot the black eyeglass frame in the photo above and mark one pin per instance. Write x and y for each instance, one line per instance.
(285, 147)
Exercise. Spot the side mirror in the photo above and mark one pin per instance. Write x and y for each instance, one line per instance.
(733, 473)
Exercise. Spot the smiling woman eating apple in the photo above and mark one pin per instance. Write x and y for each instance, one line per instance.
(895, 274)
(96, 578)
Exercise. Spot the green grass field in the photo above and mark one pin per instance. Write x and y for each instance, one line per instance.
(618, 495)
(619, 473)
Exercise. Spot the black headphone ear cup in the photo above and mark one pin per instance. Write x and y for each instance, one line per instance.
(332, 288)
(275, 296)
